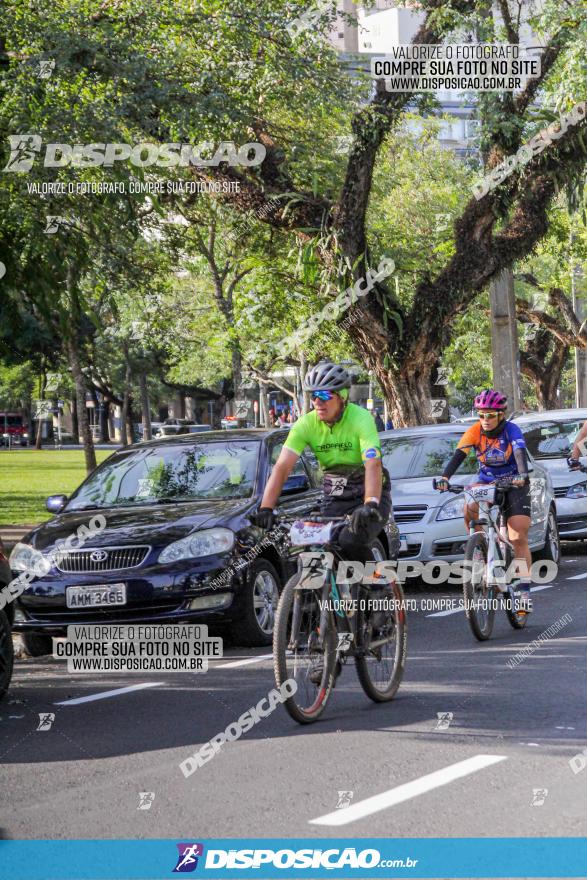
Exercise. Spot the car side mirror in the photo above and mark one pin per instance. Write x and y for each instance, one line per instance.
(295, 483)
(56, 503)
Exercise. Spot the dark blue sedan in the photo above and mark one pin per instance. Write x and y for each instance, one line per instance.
(178, 543)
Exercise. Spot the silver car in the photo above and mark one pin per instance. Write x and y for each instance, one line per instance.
(431, 523)
(549, 436)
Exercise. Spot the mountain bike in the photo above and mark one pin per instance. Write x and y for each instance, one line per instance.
(488, 556)
(320, 624)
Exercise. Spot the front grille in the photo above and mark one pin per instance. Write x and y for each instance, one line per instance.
(560, 491)
(409, 514)
(117, 558)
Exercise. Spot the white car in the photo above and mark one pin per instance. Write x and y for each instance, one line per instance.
(549, 437)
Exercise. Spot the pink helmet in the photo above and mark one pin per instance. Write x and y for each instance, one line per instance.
(491, 399)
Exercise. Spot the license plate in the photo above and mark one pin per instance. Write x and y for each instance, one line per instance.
(95, 597)
(403, 544)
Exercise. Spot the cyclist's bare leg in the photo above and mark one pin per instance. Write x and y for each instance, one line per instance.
(471, 511)
(518, 527)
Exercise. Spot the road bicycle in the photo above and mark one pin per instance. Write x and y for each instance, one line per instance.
(320, 624)
(488, 556)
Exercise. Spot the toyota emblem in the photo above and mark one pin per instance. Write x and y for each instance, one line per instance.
(98, 556)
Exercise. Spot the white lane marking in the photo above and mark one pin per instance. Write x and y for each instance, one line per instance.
(577, 577)
(105, 694)
(462, 608)
(235, 663)
(409, 790)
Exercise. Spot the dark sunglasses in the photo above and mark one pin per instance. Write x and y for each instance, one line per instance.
(322, 395)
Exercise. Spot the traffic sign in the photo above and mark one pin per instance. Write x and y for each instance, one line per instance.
(369, 403)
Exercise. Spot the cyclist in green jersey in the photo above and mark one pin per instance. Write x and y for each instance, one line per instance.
(344, 439)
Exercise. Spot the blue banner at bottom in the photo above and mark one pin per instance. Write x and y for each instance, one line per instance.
(280, 857)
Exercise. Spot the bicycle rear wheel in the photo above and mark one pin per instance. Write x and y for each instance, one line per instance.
(479, 597)
(296, 655)
(382, 641)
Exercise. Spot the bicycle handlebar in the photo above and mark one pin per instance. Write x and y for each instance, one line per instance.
(283, 518)
(504, 484)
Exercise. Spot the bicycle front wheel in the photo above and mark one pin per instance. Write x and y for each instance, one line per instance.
(517, 620)
(302, 653)
(382, 642)
(479, 596)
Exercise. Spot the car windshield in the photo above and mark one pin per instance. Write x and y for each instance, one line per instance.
(549, 438)
(423, 455)
(173, 472)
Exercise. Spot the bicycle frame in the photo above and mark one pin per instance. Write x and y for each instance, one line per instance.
(494, 525)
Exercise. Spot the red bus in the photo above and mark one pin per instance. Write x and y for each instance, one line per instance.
(13, 428)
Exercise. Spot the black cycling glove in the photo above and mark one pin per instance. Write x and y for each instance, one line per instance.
(264, 518)
(364, 516)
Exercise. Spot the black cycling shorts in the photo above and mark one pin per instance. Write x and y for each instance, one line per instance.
(517, 502)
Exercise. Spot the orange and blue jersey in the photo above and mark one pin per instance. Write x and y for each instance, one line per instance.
(494, 454)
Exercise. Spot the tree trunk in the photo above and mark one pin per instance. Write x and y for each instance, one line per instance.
(125, 434)
(145, 408)
(237, 366)
(103, 413)
(82, 412)
(42, 392)
(545, 375)
(407, 392)
(74, 418)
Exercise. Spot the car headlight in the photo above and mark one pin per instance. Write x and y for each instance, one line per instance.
(579, 490)
(26, 558)
(207, 542)
(453, 509)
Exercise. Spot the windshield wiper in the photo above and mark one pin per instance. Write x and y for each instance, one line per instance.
(88, 507)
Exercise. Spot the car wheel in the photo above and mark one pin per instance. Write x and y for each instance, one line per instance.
(552, 547)
(6, 654)
(257, 606)
(37, 646)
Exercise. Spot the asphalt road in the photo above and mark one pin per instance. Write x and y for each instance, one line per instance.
(501, 767)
